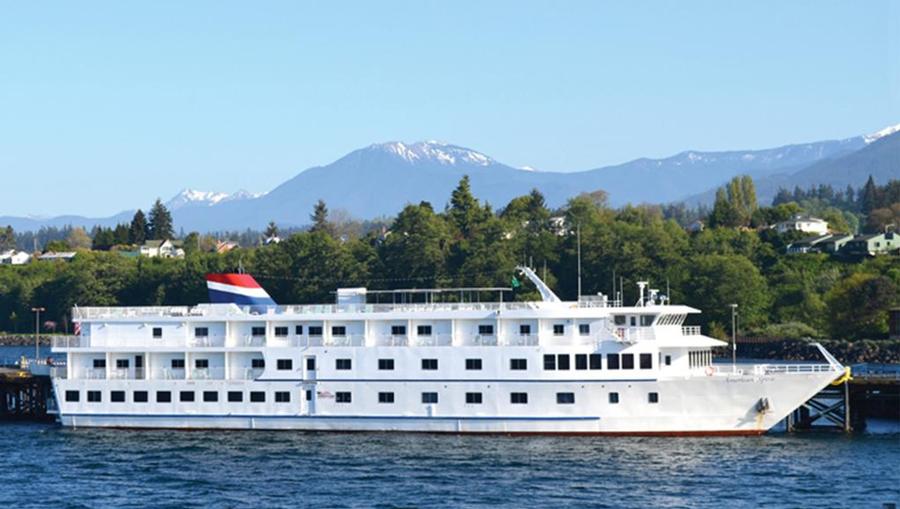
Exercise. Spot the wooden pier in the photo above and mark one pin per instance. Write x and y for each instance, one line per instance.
(25, 397)
(845, 407)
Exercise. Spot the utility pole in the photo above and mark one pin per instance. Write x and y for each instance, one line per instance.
(734, 338)
(37, 329)
(578, 230)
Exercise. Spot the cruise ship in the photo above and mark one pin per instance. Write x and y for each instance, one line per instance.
(427, 361)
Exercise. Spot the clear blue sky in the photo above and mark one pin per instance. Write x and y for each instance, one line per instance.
(107, 105)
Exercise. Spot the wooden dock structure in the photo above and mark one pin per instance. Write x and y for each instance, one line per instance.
(846, 406)
(24, 396)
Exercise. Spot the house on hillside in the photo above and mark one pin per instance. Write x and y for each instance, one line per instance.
(810, 244)
(66, 256)
(274, 239)
(800, 223)
(696, 226)
(834, 243)
(162, 249)
(872, 244)
(224, 246)
(13, 257)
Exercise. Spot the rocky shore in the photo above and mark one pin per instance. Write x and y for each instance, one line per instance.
(23, 340)
(848, 352)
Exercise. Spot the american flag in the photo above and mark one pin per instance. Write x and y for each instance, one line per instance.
(77, 328)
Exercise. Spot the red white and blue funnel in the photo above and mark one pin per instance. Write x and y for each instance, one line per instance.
(240, 289)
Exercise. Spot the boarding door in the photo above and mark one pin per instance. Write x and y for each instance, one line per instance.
(309, 386)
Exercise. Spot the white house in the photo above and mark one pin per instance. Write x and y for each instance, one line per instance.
(806, 224)
(65, 256)
(13, 257)
(162, 249)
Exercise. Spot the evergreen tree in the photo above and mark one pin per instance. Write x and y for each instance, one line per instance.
(868, 196)
(464, 211)
(160, 223)
(272, 229)
(138, 231)
(723, 214)
(319, 218)
(7, 238)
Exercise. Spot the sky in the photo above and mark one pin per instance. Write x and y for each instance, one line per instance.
(105, 106)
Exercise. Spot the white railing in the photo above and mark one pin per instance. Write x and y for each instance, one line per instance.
(59, 372)
(247, 373)
(392, 340)
(481, 340)
(71, 341)
(206, 341)
(349, 340)
(250, 340)
(690, 330)
(216, 373)
(173, 373)
(763, 369)
(435, 340)
(522, 340)
(94, 373)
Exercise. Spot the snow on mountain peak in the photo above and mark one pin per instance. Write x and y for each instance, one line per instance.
(434, 151)
(192, 197)
(887, 131)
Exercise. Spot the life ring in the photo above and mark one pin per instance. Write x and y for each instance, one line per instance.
(49, 361)
(709, 371)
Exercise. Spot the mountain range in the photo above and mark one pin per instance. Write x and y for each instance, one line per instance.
(380, 179)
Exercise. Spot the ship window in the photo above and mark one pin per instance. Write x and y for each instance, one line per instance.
(281, 332)
(652, 397)
(258, 363)
(298, 330)
(385, 397)
(486, 330)
(122, 363)
(343, 397)
(210, 396)
(584, 329)
(581, 361)
(619, 319)
(596, 361)
(627, 361)
(139, 396)
(668, 360)
(646, 320)
(257, 397)
(308, 395)
(423, 330)
(72, 396)
(613, 398)
(386, 364)
(186, 396)
(94, 397)
(201, 363)
(315, 330)
(398, 330)
(429, 364)
(429, 397)
(612, 361)
(177, 364)
(117, 396)
(565, 398)
(343, 364)
(633, 321)
(235, 396)
(339, 330)
(311, 363)
(562, 361)
(549, 362)
(518, 398)
(284, 364)
(163, 397)
(157, 332)
(518, 364)
(257, 331)
(646, 361)
(201, 332)
(559, 329)
(473, 364)
(524, 329)
(282, 397)
(99, 363)
(473, 398)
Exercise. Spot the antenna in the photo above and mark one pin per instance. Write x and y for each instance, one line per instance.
(578, 230)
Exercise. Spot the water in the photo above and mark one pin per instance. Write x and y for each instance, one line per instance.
(51, 466)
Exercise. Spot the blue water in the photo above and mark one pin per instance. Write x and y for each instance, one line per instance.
(49, 466)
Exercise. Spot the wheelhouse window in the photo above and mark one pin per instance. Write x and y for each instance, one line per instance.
(257, 331)
(562, 361)
(565, 398)
(398, 330)
(596, 361)
(584, 329)
(386, 364)
(518, 364)
(581, 361)
(117, 396)
(201, 332)
(157, 332)
(343, 397)
(257, 397)
(258, 363)
(385, 397)
(284, 364)
(619, 320)
(139, 397)
(338, 330)
(518, 398)
(423, 330)
(614, 398)
(282, 397)
(281, 332)
(72, 396)
(612, 361)
(646, 361)
(473, 364)
(429, 364)
(524, 329)
(652, 397)
(315, 330)
(210, 396)
(549, 362)
(429, 398)
(473, 398)
(627, 361)
(163, 397)
(186, 396)
(94, 396)
(485, 330)
(559, 329)
(647, 320)
(343, 364)
(235, 396)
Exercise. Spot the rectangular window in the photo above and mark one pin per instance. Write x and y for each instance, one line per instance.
(473, 398)
(473, 364)
(308, 395)
(518, 398)
(584, 329)
(282, 397)
(122, 363)
(99, 363)
(646, 320)
(646, 361)
(94, 397)
(235, 396)
(210, 396)
(524, 329)
(186, 396)
(257, 397)
(429, 364)
(72, 396)
(257, 331)
(117, 396)
(485, 330)
(423, 330)
(315, 330)
(518, 364)
(177, 364)
(613, 398)
(281, 332)
(652, 397)
(562, 361)
(398, 330)
(201, 363)
(627, 361)
(310, 363)
(343, 364)
(429, 397)
(668, 360)
(596, 361)
(157, 332)
(343, 397)
(559, 329)
(612, 361)
(139, 397)
(581, 361)
(298, 330)
(284, 364)
(386, 364)
(385, 397)
(201, 332)
(163, 397)
(258, 363)
(619, 319)
(549, 362)
(338, 330)
(565, 398)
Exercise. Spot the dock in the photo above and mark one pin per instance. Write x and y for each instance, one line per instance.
(25, 396)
